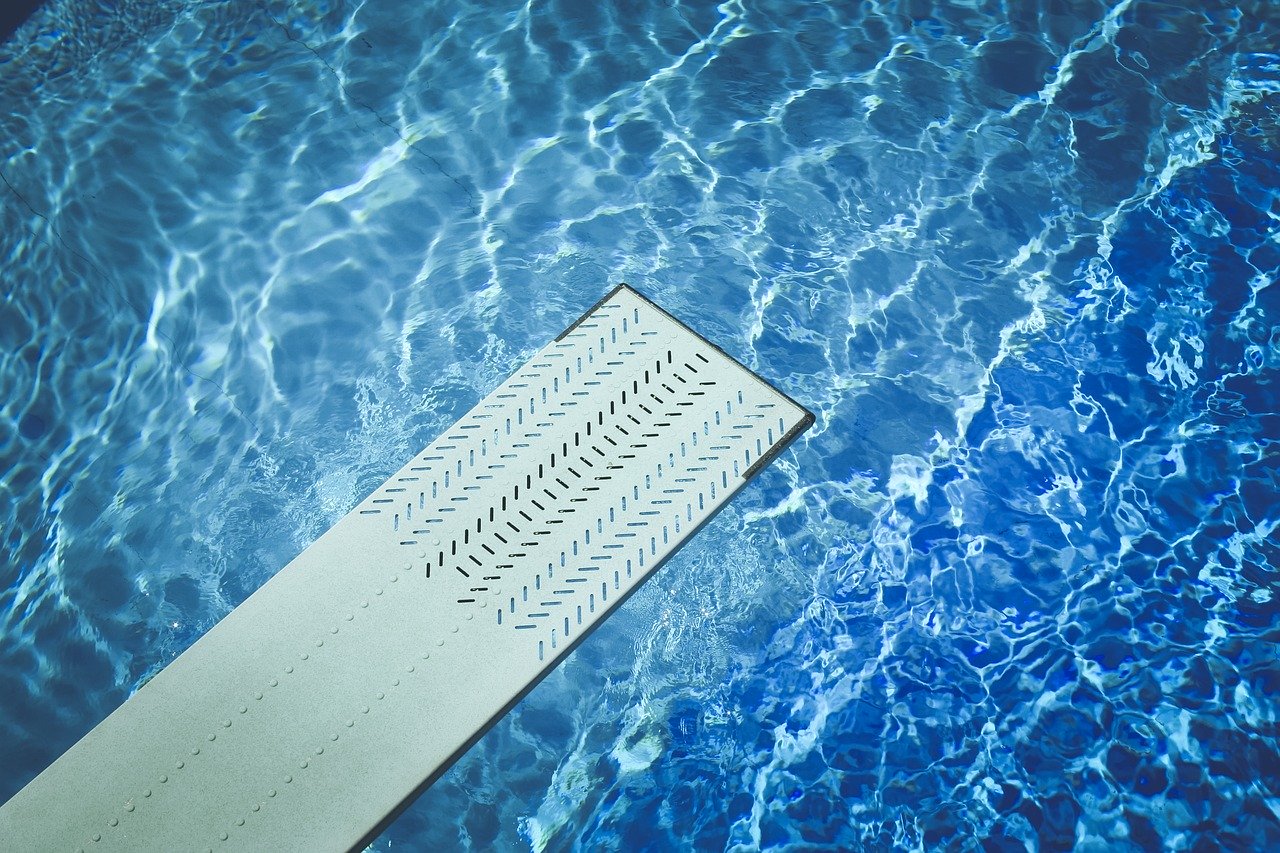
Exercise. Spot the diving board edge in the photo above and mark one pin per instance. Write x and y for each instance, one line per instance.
(807, 417)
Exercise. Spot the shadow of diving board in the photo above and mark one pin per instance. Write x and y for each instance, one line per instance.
(321, 706)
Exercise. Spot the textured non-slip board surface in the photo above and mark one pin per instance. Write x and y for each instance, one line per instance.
(309, 715)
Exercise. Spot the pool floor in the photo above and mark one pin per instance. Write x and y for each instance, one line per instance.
(1015, 589)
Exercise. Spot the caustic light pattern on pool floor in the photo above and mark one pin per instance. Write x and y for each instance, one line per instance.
(1015, 589)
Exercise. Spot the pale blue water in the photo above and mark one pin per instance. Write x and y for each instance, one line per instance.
(1016, 589)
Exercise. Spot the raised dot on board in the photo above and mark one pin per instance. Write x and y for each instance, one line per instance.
(259, 695)
(395, 682)
(349, 617)
(97, 837)
(303, 764)
(381, 694)
(223, 836)
(421, 554)
(364, 709)
(163, 778)
(319, 750)
(240, 822)
(440, 642)
(271, 793)
(213, 737)
(115, 821)
(426, 655)
(333, 630)
(378, 591)
(288, 779)
(453, 630)
(179, 765)
(128, 807)
(395, 578)
(470, 616)
(364, 604)
(288, 669)
(305, 656)
(484, 603)
(195, 750)
(350, 723)
(319, 643)
(435, 541)
(333, 736)
(257, 808)
(275, 682)
(244, 709)
(226, 724)
(146, 793)
(409, 668)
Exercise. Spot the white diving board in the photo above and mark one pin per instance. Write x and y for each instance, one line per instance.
(312, 714)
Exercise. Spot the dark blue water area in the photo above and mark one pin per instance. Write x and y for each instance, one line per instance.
(1015, 590)
(1124, 530)
(13, 14)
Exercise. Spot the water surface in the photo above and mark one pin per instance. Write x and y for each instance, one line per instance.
(1014, 590)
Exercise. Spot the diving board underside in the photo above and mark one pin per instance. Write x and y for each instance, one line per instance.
(318, 708)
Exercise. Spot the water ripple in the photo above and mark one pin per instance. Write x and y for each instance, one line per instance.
(1015, 588)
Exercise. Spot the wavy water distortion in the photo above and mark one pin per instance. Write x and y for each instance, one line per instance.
(1014, 589)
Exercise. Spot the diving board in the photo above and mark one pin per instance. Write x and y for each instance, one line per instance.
(335, 694)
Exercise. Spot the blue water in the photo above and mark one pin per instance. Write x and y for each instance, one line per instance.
(1016, 589)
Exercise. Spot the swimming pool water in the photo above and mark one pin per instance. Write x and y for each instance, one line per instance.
(1016, 589)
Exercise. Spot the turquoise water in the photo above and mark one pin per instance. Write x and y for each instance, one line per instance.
(1014, 590)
